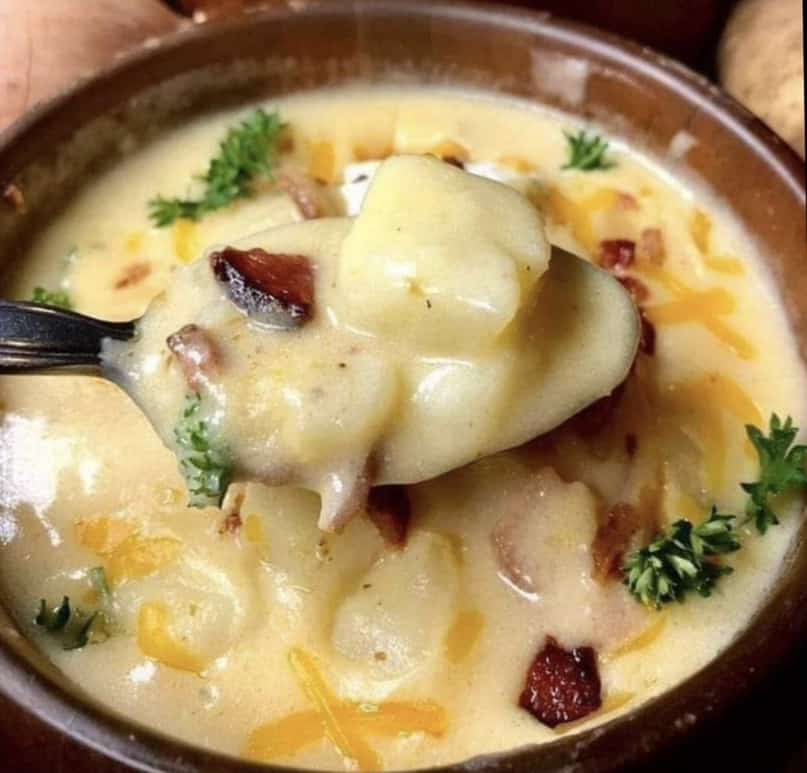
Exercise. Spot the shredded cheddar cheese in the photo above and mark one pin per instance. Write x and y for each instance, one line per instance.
(155, 639)
(322, 162)
(137, 557)
(463, 635)
(702, 307)
(186, 240)
(344, 723)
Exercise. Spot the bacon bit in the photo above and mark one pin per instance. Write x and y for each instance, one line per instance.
(231, 524)
(616, 254)
(306, 193)
(650, 247)
(616, 528)
(388, 507)
(626, 201)
(13, 196)
(647, 337)
(133, 274)
(196, 353)
(591, 420)
(273, 288)
(636, 287)
(631, 444)
(562, 685)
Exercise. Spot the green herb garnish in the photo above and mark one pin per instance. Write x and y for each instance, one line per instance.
(248, 151)
(57, 298)
(53, 618)
(205, 464)
(781, 469)
(587, 153)
(681, 562)
(74, 626)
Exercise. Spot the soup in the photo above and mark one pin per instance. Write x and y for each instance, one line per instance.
(340, 354)
(476, 612)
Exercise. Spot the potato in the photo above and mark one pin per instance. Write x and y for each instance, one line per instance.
(761, 63)
(390, 634)
(442, 332)
(458, 287)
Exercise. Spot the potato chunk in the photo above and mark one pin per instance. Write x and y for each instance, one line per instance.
(394, 620)
(447, 269)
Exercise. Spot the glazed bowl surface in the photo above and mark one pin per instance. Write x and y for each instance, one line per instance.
(659, 106)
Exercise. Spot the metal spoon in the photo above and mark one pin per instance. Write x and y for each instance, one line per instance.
(34, 338)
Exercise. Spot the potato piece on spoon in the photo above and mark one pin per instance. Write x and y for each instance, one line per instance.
(435, 328)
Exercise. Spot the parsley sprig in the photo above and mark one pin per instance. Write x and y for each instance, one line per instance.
(204, 462)
(682, 561)
(587, 152)
(781, 469)
(73, 626)
(58, 298)
(249, 150)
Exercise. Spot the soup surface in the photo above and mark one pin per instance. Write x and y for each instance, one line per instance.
(431, 629)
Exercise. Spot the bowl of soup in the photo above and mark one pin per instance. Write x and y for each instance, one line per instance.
(471, 345)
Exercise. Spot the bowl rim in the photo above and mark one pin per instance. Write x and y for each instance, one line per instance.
(140, 747)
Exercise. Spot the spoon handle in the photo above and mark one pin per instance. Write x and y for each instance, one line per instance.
(34, 337)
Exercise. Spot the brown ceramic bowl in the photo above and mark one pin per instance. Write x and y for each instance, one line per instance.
(630, 91)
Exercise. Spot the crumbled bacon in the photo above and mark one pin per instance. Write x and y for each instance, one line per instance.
(647, 338)
(389, 509)
(650, 247)
(133, 274)
(591, 420)
(631, 444)
(196, 354)
(617, 527)
(636, 287)
(231, 524)
(13, 196)
(272, 288)
(305, 192)
(562, 685)
(616, 254)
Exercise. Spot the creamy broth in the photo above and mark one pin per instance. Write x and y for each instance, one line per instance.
(244, 634)
(403, 318)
